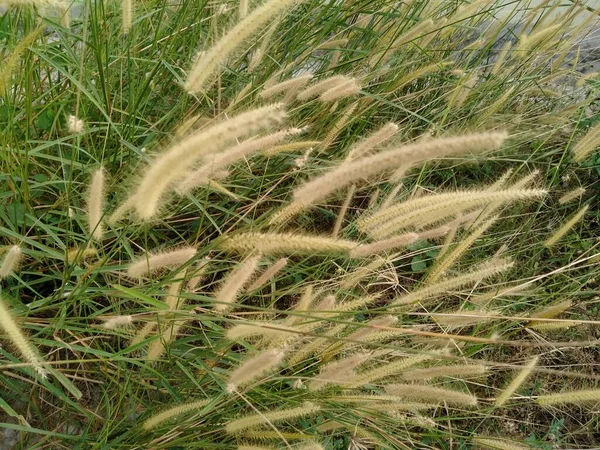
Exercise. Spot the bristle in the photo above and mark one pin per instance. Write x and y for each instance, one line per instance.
(253, 421)
(152, 262)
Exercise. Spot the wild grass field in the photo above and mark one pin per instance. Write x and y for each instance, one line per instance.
(287, 224)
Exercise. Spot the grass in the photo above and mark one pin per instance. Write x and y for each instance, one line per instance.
(102, 391)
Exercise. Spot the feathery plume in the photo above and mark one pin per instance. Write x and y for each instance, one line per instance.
(170, 165)
(442, 265)
(272, 243)
(337, 372)
(432, 208)
(255, 447)
(117, 321)
(168, 330)
(346, 174)
(322, 86)
(464, 318)
(499, 444)
(587, 144)
(431, 394)
(571, 195)
(256, 420)
(516, 382)
(78, 253)
(243, 9)
(553, 310)
(456, 371)
(371, 327)
(339, 221)
(290, 147)
(75, 125)
(273, 270)
(529, 42)
(127, 15)
(10, 261)
(387, 401)
(316, 345)
(232, 155)
(338, 126)
(385, 245)
(95, 204)
(442, 287)
(353, 278)
(419, 73)
(343, 90)
(364, 147)
(173, 412)
(575, 397)
(302, 306)
(310, 446)
(565, 228)
(263, 329)
(208, 63)
(20, 340)
(385, 370)
(255, 367)
(152, 262)
(289, 87)
(199, 275)
(234, 283)
(10, 62)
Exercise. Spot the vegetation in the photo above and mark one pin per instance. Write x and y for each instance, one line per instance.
(360, 224)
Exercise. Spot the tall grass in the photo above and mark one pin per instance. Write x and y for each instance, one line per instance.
(300, 235)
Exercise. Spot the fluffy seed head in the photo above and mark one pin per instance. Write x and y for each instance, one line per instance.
(152, 262)
(254, 368)
(10, 261)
